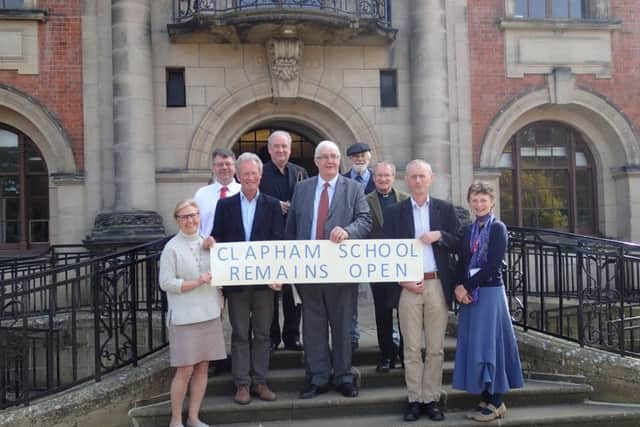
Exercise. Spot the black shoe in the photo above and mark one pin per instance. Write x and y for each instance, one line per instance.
(347, 389)
(412, 413)
(385, 365)
(354, 345)
(295, 346)
(433, 411)
(312, 390)
(274, 345)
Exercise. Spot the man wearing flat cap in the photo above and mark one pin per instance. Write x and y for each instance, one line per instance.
(360, 156)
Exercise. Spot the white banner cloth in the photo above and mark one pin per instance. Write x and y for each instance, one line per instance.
(316, 261)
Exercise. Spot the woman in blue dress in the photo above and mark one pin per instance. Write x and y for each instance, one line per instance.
(487, 361)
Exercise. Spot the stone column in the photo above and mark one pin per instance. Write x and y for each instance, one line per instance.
(132, 218)
(429, 90)
(133, 105)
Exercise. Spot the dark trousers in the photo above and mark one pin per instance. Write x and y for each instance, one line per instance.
(327, 309)
(250, 311)
(385, 299)
(292, 314)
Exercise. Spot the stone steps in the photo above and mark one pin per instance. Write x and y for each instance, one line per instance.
(575, 415)
(389, 400)
(546, 399)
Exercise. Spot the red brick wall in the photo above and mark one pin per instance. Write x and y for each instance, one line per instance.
(491, 90)
(59, 85)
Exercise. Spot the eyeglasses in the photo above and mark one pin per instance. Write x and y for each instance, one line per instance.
(187, 216)
(326, 157)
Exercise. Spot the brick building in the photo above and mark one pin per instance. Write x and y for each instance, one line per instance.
(121, 103)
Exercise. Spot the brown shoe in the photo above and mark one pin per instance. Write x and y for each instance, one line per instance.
(242, 396)
(263, 393)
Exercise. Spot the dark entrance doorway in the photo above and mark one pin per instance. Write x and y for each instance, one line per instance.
(303, 143)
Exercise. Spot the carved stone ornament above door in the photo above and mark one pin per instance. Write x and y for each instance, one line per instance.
(285, 56)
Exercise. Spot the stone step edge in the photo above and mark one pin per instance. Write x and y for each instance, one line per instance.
(297, 375)
(392, 395)
(567, 414)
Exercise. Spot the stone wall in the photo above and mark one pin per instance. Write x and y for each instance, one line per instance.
(55, 79)
(613, 377)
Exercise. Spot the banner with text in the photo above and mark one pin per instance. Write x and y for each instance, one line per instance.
(316, 261)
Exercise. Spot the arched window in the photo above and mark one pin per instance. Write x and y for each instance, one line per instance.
(24, 192)
(548, 180)
(302, 146)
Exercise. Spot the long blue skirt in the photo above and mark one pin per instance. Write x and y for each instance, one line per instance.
(487, 356)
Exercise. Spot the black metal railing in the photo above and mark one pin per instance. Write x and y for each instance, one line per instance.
(72, 323)
(379, 10)
(580, 288)
(54, 256)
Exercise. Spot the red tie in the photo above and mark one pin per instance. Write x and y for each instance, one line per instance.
(323, 212)
(223, 191)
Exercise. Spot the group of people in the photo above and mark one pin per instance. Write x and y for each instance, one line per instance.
(278, 201)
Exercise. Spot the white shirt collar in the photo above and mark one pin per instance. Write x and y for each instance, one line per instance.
(332, 182)
(244, 198)
(415, 205)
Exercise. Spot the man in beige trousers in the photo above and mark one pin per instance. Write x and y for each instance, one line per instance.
(424, 305)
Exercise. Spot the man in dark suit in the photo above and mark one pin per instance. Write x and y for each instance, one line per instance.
(249, 216)
(333, 207)
(279, 178)
(385, 295)
(360, 156)
(424, 305)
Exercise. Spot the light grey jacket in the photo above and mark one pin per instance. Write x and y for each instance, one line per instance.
(179, 263)
(348, 209)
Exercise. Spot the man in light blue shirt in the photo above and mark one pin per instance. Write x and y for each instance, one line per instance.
(249, 216)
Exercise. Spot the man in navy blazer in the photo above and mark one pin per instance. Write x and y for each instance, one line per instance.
(327, 307)
(424, 305)
(249, 216)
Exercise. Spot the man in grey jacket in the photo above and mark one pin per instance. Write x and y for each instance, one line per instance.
(328, 206)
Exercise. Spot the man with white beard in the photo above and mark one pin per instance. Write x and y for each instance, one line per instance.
(360, 156)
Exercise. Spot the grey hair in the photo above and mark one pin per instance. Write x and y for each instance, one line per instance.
(223, 152)
(367, 153)
(384, 163)
(419, 162)
(249, 157)
(278, 133)
(324, 145)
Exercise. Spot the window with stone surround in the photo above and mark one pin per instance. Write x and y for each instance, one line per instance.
(11, 4)
(24, 192)
(548, 180)
(558, 9)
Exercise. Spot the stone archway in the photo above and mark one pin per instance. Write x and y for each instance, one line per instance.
(222, 125)
(20, 112)
(611, 140)
(595, 117)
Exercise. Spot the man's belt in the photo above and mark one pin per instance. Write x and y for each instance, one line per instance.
(432, 275)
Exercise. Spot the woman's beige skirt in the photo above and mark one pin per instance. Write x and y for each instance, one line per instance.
(196, 342)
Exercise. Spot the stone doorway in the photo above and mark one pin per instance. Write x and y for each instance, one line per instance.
(303, 142)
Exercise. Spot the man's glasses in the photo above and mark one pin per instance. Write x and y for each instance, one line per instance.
(328, 157)
(187, 216)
